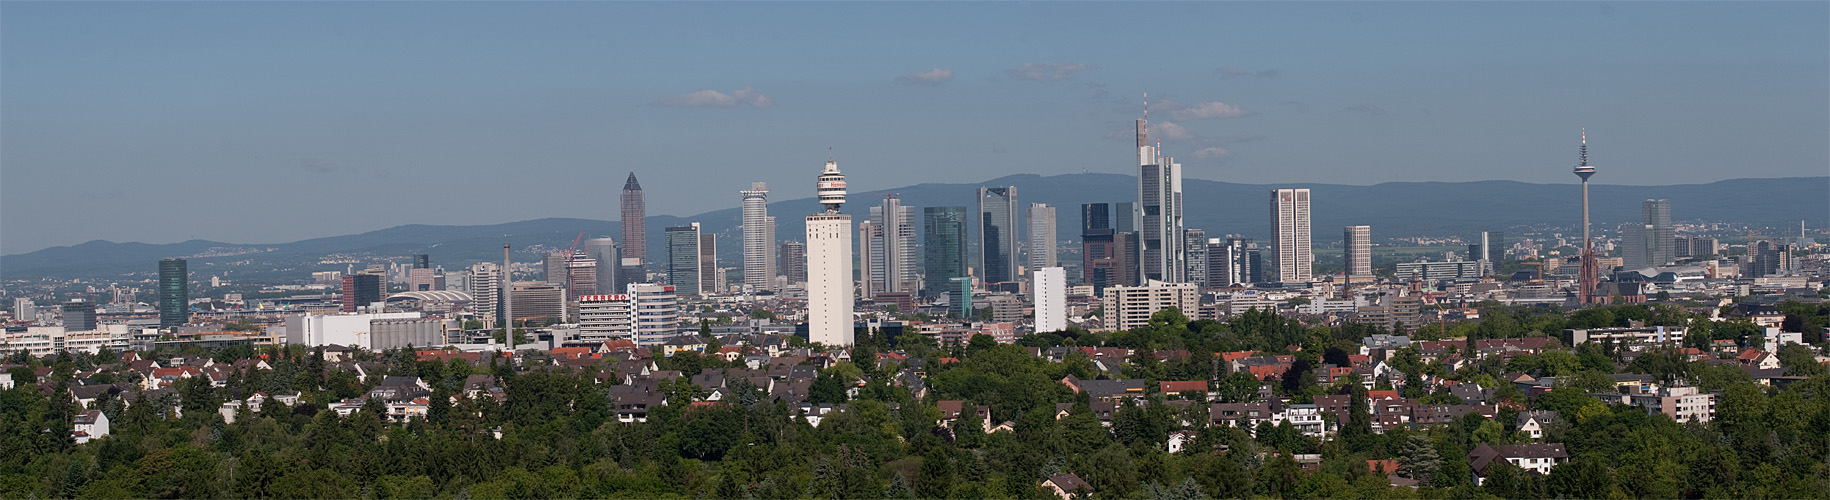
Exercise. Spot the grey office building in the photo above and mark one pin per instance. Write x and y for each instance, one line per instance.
(174, 293)
(943, 248)
(683, 259)
(79, 316)
(998, 233)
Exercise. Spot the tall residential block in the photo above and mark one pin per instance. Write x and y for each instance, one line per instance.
(657, 313)
(1042, 251)
(1051, 299)
(1194, 252)
(1290, 245)
(486, 289)
(711, 277)
(25, 310)
(683, 258)
(829, 273)
(758, 238)
(998, 233)
(1356, 251)
(174, 293)
(635, 234)
(889, 248)
(943, 248)
(793, 257)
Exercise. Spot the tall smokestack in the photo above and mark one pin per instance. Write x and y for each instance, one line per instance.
(508, 305)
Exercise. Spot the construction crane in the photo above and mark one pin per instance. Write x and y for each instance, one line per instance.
(574, 249)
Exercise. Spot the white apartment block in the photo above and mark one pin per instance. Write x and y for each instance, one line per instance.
(1130, 307)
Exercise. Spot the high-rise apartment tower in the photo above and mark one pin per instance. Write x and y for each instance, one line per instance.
(1290, 244)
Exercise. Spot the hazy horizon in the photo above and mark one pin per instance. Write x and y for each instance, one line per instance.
(850, 207)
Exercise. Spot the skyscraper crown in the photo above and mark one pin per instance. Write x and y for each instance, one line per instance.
(831, 186)
(631, 184)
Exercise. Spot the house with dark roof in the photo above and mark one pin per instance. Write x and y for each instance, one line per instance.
(1067, 486)
(1532, 423)
(1536, 458)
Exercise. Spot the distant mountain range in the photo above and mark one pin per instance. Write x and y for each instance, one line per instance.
(1392, 209)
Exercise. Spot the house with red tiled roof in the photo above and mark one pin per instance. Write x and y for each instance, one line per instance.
(1170, 387)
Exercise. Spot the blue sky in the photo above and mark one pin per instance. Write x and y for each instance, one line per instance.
(259, 122)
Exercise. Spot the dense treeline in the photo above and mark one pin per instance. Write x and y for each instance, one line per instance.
(559, 437)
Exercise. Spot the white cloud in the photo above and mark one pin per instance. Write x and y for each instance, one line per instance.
(930, 77)
(1210, 109)
(716, 99)
(1364, 108)
(1212, 153)
(1047, 72)
(753, 98)
(1169, 131)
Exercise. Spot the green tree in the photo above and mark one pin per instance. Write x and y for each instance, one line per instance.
(1417, 458)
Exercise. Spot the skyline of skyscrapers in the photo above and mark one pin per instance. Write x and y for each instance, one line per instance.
(174, 293)
(998, 233)
(758, 238)
(1291, 257)
(943, 248)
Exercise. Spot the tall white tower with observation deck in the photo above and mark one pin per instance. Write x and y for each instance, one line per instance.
(829, 278)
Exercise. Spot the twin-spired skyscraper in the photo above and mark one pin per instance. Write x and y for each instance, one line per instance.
(1159, 197)
(829, 276)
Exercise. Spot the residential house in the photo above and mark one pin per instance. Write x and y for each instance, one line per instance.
(1532, 423)
(1067, 486)
(1538, 458)
(92, 424)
